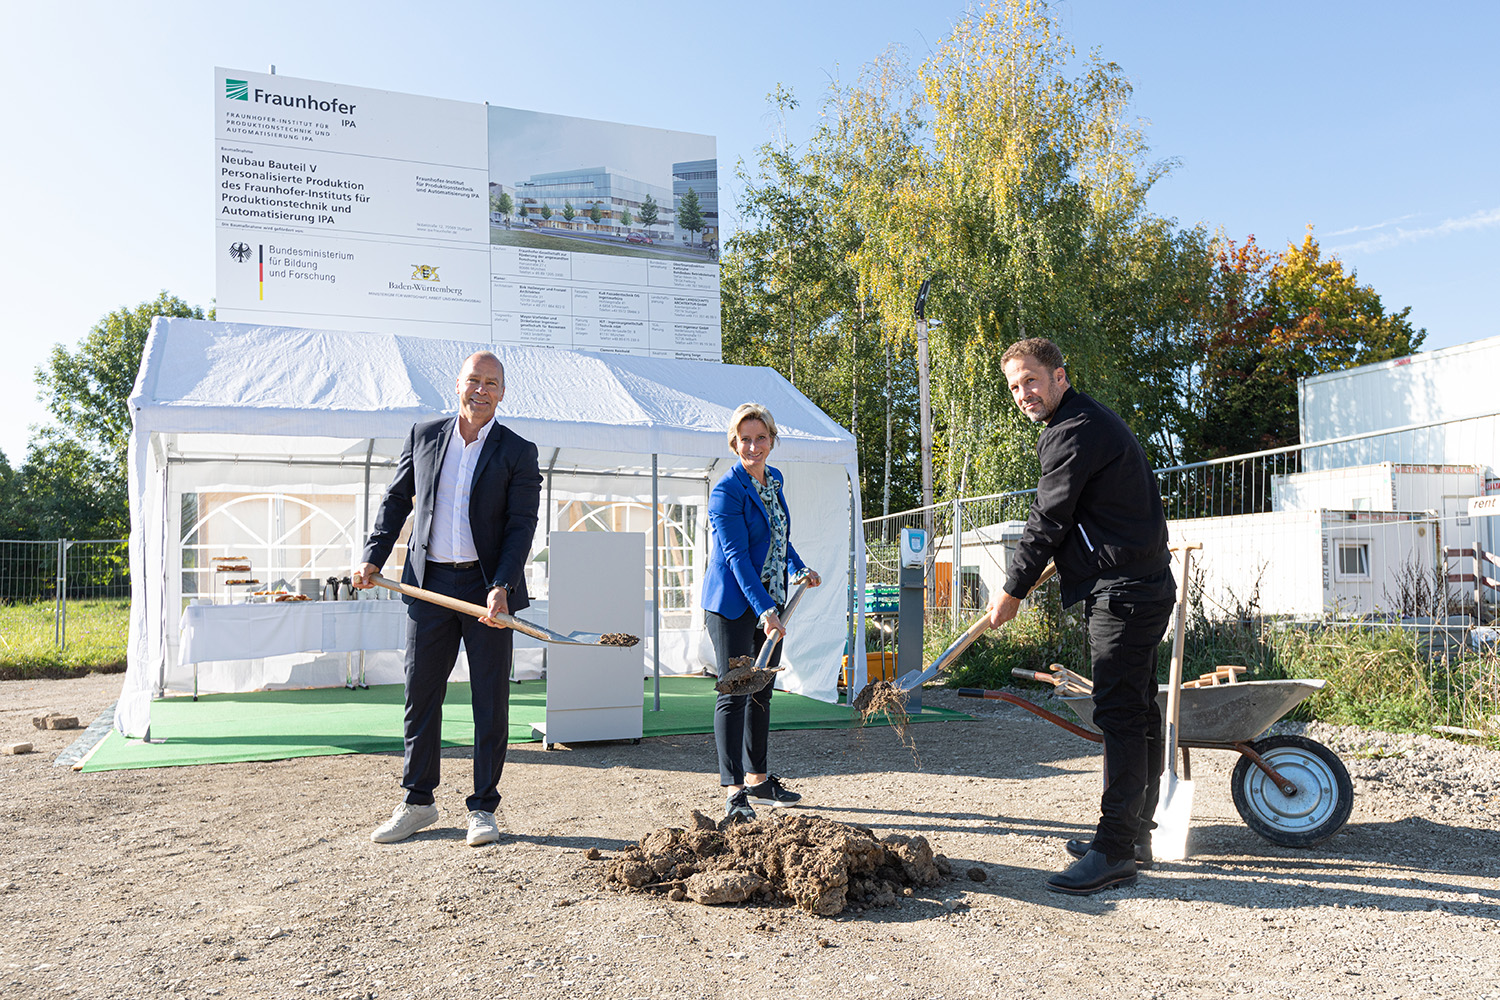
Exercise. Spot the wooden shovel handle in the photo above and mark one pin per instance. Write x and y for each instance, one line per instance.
(451, 603)
(980, 626)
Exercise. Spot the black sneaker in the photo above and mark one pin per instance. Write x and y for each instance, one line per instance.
(737, 808)
(771, 793)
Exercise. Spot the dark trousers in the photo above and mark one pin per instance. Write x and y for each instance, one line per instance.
(1123, 640)
(742, 722)
(432, 638)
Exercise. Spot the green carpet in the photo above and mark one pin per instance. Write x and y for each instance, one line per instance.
(317, 722)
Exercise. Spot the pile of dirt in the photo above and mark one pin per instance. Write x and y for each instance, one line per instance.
(817, 864)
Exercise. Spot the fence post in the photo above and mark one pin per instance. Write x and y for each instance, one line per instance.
(958, 562)
(60, 608)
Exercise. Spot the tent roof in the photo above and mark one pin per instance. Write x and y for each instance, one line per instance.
(238, 389)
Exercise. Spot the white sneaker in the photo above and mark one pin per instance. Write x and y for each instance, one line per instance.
(405, 821)
(482, 828)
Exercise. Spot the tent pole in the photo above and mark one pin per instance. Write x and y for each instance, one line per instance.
(369, 454)
(551, 464)
(856, 657)
(655, 590)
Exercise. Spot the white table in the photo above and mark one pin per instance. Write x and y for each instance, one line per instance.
(215, 632)
(251, 631)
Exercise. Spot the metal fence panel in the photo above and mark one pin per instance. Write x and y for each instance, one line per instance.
(1366, 532)
(61, 571)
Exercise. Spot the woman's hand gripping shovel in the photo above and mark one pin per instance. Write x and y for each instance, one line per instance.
(1174, 806)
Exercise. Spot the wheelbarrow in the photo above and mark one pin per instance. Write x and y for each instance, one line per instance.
(1293, 791)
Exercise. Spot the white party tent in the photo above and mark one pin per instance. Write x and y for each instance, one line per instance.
(282, 441)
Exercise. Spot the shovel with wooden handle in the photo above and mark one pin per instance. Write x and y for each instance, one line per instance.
(511, 621)
(916, 678)
(1174, 806)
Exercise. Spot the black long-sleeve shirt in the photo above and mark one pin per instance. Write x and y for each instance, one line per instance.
(1097, 512)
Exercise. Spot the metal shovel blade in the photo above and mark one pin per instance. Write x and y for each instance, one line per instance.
(1174, 806)
(1174, 814)
(571, 639)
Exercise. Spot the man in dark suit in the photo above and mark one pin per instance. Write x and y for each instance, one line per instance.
(476, 488)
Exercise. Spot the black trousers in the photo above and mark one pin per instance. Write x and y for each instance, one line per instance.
(1123, 640)
(432, 638)
(742, 722)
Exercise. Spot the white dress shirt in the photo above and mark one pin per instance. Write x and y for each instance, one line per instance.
(452, 541)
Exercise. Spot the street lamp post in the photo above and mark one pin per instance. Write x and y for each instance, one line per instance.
(924, 402)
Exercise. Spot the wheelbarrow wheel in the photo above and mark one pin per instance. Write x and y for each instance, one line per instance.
(1319, 808)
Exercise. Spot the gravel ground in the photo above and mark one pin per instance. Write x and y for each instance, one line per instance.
(259, 880)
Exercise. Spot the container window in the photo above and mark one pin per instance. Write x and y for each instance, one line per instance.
(1354, 561)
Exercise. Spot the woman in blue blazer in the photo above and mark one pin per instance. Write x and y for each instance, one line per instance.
(744, 590)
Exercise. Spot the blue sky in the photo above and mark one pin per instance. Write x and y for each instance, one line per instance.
(1376, 122)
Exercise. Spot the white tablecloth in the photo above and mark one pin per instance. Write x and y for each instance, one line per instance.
(252, 631)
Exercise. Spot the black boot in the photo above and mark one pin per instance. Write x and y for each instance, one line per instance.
(1092, 873)
(1143, 861)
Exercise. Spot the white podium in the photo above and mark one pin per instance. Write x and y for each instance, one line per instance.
(595, 585)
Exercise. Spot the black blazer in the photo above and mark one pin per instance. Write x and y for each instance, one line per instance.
(503, 503)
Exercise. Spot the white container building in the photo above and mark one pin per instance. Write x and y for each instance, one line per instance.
(1440, 408)
(1309, 563)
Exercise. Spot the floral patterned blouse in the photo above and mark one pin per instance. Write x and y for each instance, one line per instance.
(773, 573)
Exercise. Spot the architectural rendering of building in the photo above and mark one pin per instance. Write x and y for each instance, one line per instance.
(702, 176)
(621, 201)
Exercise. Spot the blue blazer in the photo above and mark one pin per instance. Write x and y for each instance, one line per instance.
(739, 538)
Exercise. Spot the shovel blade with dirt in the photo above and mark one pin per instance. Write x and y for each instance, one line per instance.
(1174, 806)
(511, 621)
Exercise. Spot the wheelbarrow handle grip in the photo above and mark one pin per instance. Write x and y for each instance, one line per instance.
(1034, 675)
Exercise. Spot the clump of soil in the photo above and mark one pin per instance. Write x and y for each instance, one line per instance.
(743, 678)
(881, 696)
(618, 639)
(817, 864)
(886, 698)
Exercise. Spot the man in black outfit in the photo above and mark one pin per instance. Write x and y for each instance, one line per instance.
(476, 489)
(1098, 515)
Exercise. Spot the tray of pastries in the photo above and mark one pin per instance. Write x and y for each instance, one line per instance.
(276, 597)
